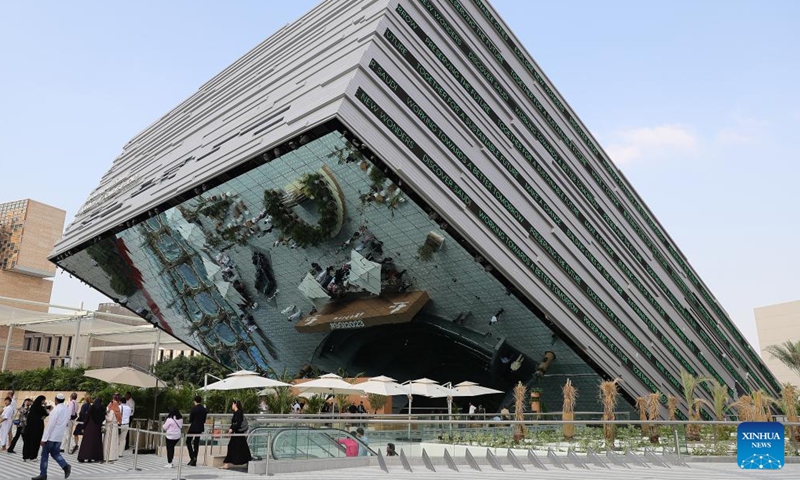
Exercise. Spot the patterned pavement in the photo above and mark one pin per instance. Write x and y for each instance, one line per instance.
(152, 467)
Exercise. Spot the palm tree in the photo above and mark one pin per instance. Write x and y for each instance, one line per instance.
(720, 399)
(788, 403)
(788, 353)
(690, 383)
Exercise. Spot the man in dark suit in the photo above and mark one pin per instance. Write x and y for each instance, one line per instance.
(197, 425)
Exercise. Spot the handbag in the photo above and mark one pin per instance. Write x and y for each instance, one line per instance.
(243, 427)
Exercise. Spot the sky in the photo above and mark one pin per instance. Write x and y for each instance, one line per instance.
(696, 102)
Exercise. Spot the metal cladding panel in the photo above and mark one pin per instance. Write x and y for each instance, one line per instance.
(496, 130)
(446, 97)
(292, 80)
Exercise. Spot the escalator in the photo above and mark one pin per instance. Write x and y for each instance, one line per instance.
(301, 443)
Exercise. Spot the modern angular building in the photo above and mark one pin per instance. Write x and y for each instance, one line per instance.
(28, 231)
(396, 187)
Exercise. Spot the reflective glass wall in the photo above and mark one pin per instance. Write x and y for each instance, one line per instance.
(317, 260)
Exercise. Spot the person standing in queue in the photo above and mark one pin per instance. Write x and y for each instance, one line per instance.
(77, 432)
(129, 401)
(20, 422)
(197, 426)
(91, 449)
(34, 429)
(111, 437)
(125, 420)
(72, 408)
(7, 420)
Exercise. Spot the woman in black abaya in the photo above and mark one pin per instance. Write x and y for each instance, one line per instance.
(34, 429)
(238, 450)
(92, 445)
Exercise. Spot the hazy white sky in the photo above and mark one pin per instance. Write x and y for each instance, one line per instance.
(697, 102)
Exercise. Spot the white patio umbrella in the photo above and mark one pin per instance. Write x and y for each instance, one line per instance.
(472, 389)
(313, 291)
(427, 388)
(382, 385)
(364, 273)
(244, 379)
(468, 389)
(126, 376)
(330, 383)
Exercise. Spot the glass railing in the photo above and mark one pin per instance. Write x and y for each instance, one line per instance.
(288, 437)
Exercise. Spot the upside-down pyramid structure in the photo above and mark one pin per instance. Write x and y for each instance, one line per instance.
(421, 135)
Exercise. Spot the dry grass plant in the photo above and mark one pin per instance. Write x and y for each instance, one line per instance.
(609, 394)
(568, 409)
(672, 406)
(641, 407)
(745, 408)
(519, 410)
(653, 404)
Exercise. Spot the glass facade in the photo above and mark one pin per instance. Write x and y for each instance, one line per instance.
(279, 268)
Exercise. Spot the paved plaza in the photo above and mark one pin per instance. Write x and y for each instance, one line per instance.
(152, 467)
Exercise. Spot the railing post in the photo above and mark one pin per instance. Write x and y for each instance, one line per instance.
(205, 446)
(213, 429)
(677, 442)
(268, 453)
(136, 450)
(180, 455)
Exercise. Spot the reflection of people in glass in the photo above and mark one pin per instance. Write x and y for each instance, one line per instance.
(265, 281)
(390, 450)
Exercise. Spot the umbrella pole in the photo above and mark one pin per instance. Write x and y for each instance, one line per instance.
(450, 412)
(155, 403)
(410, 400)
(156, 348)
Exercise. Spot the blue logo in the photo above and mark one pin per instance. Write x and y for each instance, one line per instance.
(760, 445)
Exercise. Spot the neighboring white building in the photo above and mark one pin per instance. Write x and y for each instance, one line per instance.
(776, 324)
